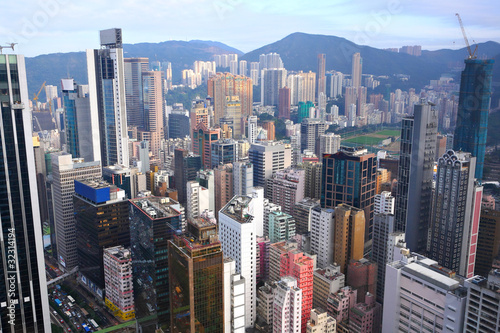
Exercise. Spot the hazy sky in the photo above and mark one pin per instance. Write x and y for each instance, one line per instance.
(48, 26)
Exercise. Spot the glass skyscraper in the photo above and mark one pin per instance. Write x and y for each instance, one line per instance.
(24, 305)
(473, 108)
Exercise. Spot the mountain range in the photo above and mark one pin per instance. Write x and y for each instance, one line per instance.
(298, 52)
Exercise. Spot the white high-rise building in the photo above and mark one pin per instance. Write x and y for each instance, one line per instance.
(422, 296)
(336, 85)
(65, 170)
(243, 68)
(107, 95)
(287, 306)
(329, 143)
(198, 199)
(296, 85)
(254, 75)
(233, 67)
(322, 227)
(252, 129)
(483, 303)
(268, 157)
(384, 203)
(234, 298)
(242, 178)
(237, 233)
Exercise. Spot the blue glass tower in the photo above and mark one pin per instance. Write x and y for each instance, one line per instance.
(473, 107)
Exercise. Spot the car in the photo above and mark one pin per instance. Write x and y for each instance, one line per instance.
(79, 315)
(54, 312)
(61, 321)
(69, 329)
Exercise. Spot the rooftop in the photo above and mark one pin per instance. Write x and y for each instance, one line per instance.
(235, 209)
(156, 207)
(431, 276)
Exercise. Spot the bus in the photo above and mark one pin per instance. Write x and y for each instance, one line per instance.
(58, 302)
(92, 321)
(71, 299)
(85, 327)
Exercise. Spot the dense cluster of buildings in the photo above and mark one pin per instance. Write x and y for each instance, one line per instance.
(201, 221)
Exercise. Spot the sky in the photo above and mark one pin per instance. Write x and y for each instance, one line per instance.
(51, 26)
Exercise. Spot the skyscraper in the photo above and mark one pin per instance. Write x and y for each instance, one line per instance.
(81, 122)
(133, 68)
(154, 221)
(65, 171)
(266, 158)
(349, 177)
(272, 81)
(321, 83)
(24, 306)
(102, 220)
(154, 110)
(357, 65)
(284, 103)
(456, 209)
(106, 79)
(196, 279)
(473, 109)
(416, 165)
(348, 236)
(310, 132)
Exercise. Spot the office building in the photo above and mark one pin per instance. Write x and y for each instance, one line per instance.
(488, 241)
(325, 282)
(349, 235)
(224, 151)
(473, 109)
(383, 230)
(237, 232)
(284, 103)
(81, 123)
(272, 80)
(421, 295)
(310, 132)
(101, 221)
(233, 116)
(287, 306)
(178, 125)
(131, 180)
(357, 69)
(242, 178)
(133, 69)
(415, 173)
(483, 301)
(457, 205)
(286, 188)
(106, 79)
(24, 306)
(281, 226)
(186, 167)
(383, 203)
(118, 281)
(322, 229)
(65, 170)
(198, 200)
(154, 221)
(154, 110)
(329, 143)
(266, 158)
(223, 181)
(196, 278)
(234, 298)
(349, 177)
(384, 176)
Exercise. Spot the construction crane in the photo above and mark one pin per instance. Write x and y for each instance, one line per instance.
(8, 46)
(35, 97)
(44, 135)
(472, 55)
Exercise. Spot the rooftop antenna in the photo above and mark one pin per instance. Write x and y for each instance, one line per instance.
(8, 46)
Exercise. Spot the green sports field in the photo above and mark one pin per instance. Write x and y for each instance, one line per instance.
(373, 139)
